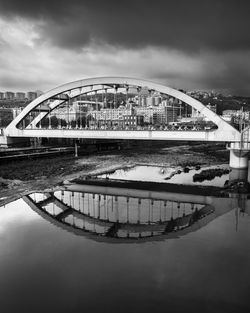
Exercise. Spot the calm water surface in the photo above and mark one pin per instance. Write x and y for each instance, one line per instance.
(161, 174)
(99, 249)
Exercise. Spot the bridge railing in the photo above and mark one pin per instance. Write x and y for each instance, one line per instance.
(127, 128)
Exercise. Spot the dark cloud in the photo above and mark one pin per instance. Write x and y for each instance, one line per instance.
(185, 44)
(191, 25)
(233, 78)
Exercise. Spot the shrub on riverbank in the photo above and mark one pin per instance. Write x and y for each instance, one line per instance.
(210, 174)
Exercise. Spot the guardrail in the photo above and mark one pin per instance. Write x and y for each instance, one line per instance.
(125, 129)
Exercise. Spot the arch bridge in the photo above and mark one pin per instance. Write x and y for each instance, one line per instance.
(88, 100)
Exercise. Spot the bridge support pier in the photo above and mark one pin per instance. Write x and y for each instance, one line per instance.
(239, 154)
(239, 174)
(76, 149)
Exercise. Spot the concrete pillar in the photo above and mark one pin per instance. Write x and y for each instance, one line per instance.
(238, 174)
(76, 150)
(99, 206)
(139, 211)
(116, 210)
(239, 152)
(238, 159)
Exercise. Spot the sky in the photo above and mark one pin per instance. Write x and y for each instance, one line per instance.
(190, 45)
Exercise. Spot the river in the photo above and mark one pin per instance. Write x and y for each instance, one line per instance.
(103, 246)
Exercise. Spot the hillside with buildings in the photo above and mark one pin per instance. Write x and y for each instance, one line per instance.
(136, 108)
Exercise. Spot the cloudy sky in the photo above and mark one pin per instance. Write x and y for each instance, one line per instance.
(189, 44)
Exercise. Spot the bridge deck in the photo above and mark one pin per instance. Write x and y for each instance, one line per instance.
(130, 134)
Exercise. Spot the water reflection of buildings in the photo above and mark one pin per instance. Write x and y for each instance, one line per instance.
(109, 213)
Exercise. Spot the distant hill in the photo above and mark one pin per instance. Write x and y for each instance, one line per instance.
(226, 103)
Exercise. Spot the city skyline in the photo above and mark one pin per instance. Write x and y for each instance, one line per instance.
(189, 45)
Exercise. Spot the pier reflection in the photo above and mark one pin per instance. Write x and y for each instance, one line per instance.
(111, 213)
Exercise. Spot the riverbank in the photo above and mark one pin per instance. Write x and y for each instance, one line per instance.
(19, 177)
(152, 186)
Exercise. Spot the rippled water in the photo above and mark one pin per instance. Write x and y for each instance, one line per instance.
(109, 249)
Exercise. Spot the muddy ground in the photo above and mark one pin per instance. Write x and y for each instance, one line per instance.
(20, 177)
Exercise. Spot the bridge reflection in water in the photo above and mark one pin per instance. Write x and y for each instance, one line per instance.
(110, 213)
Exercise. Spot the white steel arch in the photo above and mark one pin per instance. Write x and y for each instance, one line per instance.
(75, 89)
